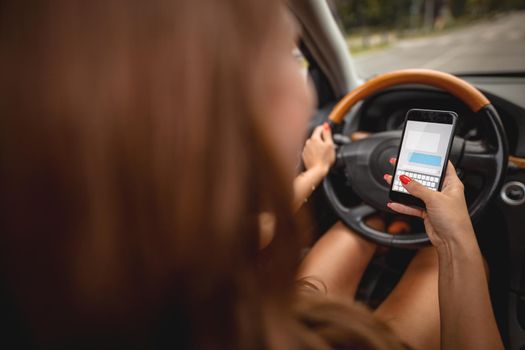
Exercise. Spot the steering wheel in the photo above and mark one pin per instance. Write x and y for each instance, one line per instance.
(364, 162)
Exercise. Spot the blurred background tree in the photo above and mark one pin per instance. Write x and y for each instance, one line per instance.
(415, 14)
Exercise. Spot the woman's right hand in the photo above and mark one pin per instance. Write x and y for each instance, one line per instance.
(319, 151)
(446, 216)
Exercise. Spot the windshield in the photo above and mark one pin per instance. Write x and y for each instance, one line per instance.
(455, 36)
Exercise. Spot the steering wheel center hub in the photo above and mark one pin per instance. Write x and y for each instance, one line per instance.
(366, 161)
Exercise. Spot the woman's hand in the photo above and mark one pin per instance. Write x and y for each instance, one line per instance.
(446, 216)
(319, 152)
(318, 157)
(464, 298)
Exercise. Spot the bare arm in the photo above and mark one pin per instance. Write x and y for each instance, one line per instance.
(305, 184)
(318, 157)
(467, 318)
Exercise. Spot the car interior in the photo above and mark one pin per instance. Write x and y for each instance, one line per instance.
(367, 117)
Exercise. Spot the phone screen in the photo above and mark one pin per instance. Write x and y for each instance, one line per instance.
(423, 153)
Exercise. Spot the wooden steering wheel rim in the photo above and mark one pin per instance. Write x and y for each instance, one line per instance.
(467, 93)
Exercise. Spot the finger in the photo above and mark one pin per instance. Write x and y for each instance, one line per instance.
(451, 177)
(392, 161)
(404, 209)
(327, 133)
(416, 189)
(451, 170)
(317, 133)
(388, 178)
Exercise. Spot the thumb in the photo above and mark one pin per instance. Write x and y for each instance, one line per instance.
(316, 134)
(451, 177)
(327, 133)
(416, 189)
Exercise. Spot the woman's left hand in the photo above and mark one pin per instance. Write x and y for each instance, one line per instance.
(319, 151)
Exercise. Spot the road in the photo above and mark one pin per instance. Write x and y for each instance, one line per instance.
(489, 46)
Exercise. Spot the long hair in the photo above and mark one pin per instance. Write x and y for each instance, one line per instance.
(134, 163)
(131, 156)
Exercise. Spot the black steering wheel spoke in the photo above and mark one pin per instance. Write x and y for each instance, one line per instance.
(478, 158)
(362, 211)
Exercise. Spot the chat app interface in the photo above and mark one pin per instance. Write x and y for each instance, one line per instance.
(423, 152)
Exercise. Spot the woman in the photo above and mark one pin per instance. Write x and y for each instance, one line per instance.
(337, 262)
(139, 143)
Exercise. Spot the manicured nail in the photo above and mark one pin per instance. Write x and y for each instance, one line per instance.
(326, 126)
(405, 179)
(392, 160)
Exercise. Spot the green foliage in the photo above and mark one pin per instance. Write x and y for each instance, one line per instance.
(358, 13)
(403, 14)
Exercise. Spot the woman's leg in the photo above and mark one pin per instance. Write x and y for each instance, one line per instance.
(338, 260)
(412, 308)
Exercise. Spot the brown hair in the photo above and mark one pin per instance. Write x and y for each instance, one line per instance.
(131, 158)
(341, 324)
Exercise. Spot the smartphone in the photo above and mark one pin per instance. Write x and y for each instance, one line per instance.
(423, 155)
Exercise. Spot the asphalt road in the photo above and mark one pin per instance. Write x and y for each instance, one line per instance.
(490, 46)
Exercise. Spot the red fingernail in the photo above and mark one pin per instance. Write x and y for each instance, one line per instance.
(392, 160)
(326, 126)
(386, 176)
(405, 179)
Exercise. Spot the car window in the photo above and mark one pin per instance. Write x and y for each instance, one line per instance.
(455, 36)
